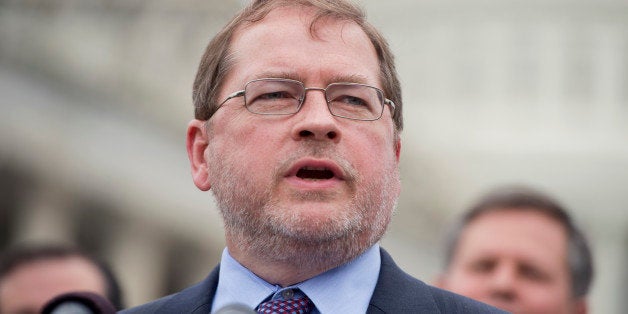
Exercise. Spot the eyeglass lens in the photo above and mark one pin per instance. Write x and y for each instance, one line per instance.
(278, 96)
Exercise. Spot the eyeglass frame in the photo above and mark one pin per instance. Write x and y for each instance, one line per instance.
(242, 93)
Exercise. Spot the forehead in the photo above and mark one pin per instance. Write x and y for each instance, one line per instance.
(46, 278)
(284, 42)
(519, 234)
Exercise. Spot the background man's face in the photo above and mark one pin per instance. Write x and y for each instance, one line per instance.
(515, 260)
(30, 286)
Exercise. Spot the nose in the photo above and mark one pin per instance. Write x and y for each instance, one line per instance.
(314, 121)
(503, 285)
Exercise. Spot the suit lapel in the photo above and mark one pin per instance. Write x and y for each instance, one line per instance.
(398, 292)
(195, 299)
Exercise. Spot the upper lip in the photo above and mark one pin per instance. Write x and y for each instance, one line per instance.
(316, 164)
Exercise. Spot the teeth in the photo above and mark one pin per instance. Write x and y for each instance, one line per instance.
(314, 168)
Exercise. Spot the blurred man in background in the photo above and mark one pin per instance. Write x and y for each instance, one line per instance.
(30, 276)
(519, 250)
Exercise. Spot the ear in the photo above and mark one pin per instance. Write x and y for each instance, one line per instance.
(398, 148)
(196, 142)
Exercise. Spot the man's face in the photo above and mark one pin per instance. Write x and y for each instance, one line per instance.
(26, 289)
(308, 178)
(515, 260)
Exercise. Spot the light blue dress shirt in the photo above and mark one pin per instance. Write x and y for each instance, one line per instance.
(345, 289)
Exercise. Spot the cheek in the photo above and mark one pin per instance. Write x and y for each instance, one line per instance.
(372, 150)
(466, 282)
(469, 283)
(547, 298)
(247, 147)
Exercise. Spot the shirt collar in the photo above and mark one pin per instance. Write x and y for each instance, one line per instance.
(353, 283)
(347, 288)
(237, 284)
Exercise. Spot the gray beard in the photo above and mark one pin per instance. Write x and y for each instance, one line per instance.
(257, 225)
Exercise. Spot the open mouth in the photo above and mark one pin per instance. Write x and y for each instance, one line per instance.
(315, 173)
(315, 170)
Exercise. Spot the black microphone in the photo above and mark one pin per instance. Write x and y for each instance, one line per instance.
(235, 308)
(79, 303)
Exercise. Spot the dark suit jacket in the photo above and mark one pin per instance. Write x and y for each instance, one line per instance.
(395, 292)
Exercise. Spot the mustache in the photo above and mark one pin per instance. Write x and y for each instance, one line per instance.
(319, 151)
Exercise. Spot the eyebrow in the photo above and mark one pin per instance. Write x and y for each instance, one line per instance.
(340, 78)
(352, 78)
(283, 75)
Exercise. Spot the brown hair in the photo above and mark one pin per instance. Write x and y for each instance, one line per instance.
(217, 61)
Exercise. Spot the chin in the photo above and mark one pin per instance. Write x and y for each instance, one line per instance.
(317, 223)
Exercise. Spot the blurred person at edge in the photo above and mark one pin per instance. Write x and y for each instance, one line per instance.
(297, 133)
(32, 275)
(518, 249)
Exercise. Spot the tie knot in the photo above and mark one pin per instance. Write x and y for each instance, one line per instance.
(298, 305)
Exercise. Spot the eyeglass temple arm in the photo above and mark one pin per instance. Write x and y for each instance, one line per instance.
(390, 103)
(239, 93)
(235, 94)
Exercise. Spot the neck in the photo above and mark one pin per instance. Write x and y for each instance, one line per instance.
(282, 273)
(291, 263)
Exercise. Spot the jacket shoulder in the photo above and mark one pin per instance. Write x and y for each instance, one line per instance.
(195, 299)
(151, 307)
(398, 292)
(449, 302)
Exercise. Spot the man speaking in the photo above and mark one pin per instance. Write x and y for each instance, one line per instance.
(297, 135)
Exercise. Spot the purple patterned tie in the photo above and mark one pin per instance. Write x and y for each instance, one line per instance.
(302, 305)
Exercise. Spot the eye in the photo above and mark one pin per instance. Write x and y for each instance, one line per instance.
(482, 266)
(532, 273)
(274, 95)
(352, 100)
(271, 90)
(273, 101)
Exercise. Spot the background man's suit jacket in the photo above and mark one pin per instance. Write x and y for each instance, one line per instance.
(395, 292)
